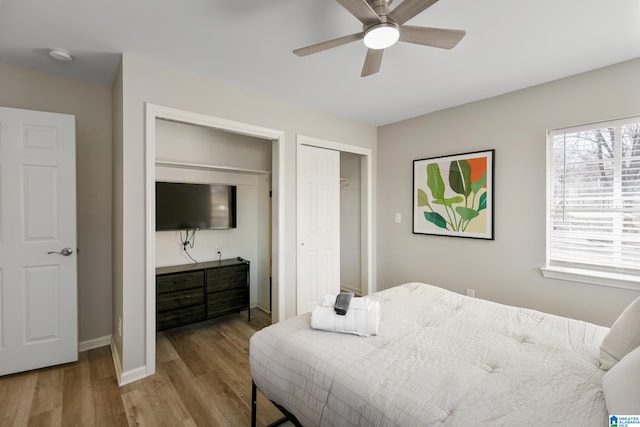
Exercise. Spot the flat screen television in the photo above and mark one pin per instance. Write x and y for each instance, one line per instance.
(185, 206)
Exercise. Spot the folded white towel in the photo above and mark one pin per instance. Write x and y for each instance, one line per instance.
(362, 321)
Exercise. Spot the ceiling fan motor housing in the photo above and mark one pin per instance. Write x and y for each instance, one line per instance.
(381, 7)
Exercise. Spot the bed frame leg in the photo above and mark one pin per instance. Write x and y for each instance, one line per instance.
(254, 400)
(254, 411)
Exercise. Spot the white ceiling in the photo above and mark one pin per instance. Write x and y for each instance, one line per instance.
(509, 45)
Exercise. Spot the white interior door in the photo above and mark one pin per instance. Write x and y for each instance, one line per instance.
(38, 295)
(318, 266)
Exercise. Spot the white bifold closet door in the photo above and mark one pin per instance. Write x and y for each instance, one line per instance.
(38, 290)
(318, 194)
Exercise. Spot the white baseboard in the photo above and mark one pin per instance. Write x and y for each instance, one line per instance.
(94, 343)
(125, 377)
(259, 307)
(355, 291)
(116, 360)
(133, 375)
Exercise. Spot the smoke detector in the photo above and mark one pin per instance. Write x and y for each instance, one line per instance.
(60, 55)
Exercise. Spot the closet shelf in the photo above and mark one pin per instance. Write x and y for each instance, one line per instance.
(235, 169)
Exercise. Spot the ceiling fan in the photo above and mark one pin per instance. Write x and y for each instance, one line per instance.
(383, 27)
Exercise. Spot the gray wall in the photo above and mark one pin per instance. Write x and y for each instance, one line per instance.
(186, 143)
(116, 210)
(506, 270)
(91, 104)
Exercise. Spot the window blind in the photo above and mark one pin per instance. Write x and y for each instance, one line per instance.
(594, 197)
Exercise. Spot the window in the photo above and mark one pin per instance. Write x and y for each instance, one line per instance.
(593, 203)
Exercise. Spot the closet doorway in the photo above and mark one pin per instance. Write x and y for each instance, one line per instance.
(187, 153)
(276, 138)
(351, 227)
(334, 244)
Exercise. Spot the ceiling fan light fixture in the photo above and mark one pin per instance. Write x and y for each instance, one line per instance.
(381, 36)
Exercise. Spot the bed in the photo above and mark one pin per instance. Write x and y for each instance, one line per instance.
(440, 358)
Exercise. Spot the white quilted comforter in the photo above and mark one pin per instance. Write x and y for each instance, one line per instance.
(439, 358)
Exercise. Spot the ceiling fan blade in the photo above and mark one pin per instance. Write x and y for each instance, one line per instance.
(319, 47)
(372, 62)
(408, 9)
(361, 10)
(434, 37)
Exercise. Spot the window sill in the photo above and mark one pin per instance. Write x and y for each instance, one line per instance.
(592, 277)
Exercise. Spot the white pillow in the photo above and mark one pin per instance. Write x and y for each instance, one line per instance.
(621, 386)
(623, 337)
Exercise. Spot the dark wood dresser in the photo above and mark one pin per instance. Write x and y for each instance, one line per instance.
(192, 293)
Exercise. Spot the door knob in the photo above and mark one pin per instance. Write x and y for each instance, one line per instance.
(64, 252)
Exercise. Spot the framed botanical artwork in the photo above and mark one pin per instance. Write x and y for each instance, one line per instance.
(453, 195)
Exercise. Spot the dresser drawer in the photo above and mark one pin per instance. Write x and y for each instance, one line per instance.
(178, 281)
(225, 302)
(179, 299)
(179, 317)
(224, 278)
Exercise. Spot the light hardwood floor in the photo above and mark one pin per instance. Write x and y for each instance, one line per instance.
(202, 379)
